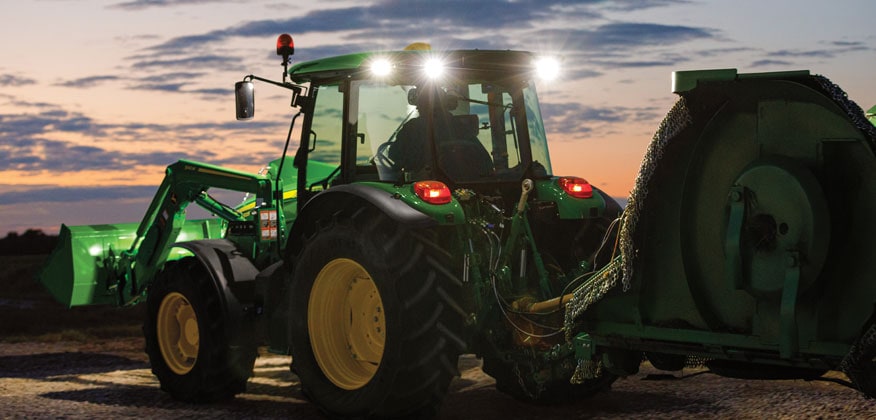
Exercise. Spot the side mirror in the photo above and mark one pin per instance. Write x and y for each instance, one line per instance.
(244, 95)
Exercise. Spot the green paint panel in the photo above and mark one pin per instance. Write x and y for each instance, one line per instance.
(569, 207)
(445, 214)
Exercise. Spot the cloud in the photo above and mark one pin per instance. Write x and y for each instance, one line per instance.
(629, 35)
(167, 82)
(634, 5)
(640, 63)
(178, 82)
(840, 48)
(173, 82)
(76, 194)
(145, 4)
(35, 154)
(515, 24)
(802, 53)
(205, 62)
(577, 74)
(512, 25)
(624, 45)
(175, 76)
(219, 92)
(720, 52)
(19, 103)
(14, 127)
(163, 87)
(389, 20)
(32, 141)
(849, 44)
(13, 80)
(791, 57)
(88, 82)
(582, 121)
(766, 63)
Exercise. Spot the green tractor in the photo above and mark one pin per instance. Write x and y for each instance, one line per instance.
(420, 219)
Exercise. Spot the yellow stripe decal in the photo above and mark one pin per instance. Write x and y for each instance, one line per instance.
(287, 195)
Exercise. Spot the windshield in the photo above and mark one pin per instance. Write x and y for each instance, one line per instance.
(463, 132)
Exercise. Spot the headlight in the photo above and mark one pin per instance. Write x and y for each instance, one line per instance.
(381, 67)
(547, 68)
(434, 68)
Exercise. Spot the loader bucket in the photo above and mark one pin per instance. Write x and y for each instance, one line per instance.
(80, 268)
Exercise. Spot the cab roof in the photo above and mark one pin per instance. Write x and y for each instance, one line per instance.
(506, 61)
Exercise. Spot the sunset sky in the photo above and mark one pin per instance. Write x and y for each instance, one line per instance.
(98, 97)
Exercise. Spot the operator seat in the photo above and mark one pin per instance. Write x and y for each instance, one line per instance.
(460, 154)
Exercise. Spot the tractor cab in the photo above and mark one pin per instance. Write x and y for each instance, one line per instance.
(463, 118)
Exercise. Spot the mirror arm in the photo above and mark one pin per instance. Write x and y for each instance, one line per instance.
(286, 85)
(299, 95)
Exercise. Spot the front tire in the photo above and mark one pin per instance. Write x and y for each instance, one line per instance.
(187, 341)
(375, 326)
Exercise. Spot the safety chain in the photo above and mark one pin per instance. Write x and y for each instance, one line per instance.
(586, 369)
(677, 120)
(858, 363)
(695, 361)
(589, 293)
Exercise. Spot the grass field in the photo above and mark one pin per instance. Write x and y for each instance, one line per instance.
(28, 312)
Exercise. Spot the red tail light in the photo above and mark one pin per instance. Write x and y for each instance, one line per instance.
(576, 187)
(432, 192)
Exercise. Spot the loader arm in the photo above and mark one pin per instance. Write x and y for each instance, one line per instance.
(115, 263)
(185, 182)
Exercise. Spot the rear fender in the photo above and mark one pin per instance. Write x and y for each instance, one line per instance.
(332, 200)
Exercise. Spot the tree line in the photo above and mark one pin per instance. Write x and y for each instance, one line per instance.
(31, 242)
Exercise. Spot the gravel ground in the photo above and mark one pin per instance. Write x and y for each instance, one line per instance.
(111, 378)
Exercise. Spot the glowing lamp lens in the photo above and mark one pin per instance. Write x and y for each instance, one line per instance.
(381, 67)
(547, 68)
(285, 46)
(576, 187)
(433, 68)
(432, 192)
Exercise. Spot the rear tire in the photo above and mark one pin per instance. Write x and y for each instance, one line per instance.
(186, 337)
(374, 331)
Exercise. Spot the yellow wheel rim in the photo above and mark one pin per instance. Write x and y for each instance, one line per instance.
(346, 323)
(177, 330)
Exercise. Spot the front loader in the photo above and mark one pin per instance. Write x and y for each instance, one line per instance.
(420, 219)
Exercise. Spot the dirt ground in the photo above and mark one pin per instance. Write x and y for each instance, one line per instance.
(111, 378)
(89, 363)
